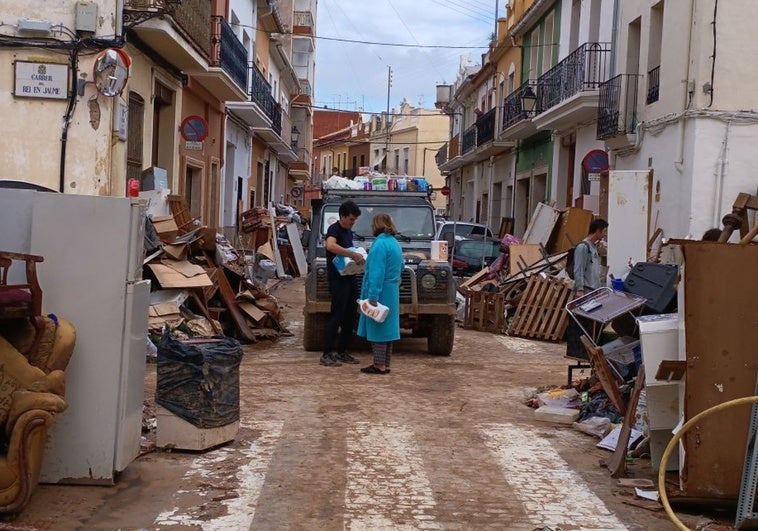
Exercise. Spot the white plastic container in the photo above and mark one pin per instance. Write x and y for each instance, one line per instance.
(439, 250)
(378, 313)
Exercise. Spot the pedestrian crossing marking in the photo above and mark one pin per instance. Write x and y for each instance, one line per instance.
(387, 486)
(248, 482)
(552, 494)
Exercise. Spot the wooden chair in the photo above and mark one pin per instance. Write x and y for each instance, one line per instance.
(181, 212)
(22, 301)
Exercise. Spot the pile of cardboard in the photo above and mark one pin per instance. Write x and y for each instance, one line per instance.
(204, 287)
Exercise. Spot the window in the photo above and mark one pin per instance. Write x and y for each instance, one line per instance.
(397, 160)
(406, 153)
(534, 46)
(547, 41)
(135, 127)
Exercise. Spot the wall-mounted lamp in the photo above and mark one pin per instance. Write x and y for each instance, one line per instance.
(528, 100)
(295, 136)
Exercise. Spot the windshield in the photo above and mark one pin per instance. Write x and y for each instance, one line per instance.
(412, 221)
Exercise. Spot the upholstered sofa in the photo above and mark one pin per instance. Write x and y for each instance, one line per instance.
(32, 392)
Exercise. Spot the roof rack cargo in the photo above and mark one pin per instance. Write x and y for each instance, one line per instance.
(359, 193)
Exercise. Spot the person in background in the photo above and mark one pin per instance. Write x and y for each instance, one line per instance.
(587, 259)
(586, 279)
(343, 288)
(711, 235)
(381, 283)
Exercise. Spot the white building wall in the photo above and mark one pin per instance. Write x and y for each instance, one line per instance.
(33, 126)
(703, 160)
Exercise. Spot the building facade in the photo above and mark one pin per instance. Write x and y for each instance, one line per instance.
(205, 108)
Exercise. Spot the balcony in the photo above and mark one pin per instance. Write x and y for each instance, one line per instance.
(183, 38)
(302, 23)
(469, 140)
(306, 93)
(617, 111)
(261, 112)
(301, 166)
(653, 85)
(441, 157)
(227, 75)
(517, 123)
(567, 94)
(486, 142)
(453, 159)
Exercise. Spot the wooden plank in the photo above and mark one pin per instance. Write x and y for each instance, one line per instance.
(238, 318)
(518, 317)
(572, 228)
(541, 225)
(604, 374)
(617, 463)
(543, 288)
(548, 307)
(559, 321)
(297, 248)
(530, 252)
(275, 247)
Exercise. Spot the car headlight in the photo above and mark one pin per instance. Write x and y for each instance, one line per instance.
(428, 281)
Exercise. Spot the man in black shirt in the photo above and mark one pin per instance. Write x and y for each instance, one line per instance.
(343, 288)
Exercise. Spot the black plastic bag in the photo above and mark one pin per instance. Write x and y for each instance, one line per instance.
(199, 381)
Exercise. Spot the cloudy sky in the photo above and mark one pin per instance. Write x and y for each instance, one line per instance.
(353, 76)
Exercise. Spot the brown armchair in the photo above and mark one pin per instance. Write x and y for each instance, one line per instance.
(34, 352)
(30, 396)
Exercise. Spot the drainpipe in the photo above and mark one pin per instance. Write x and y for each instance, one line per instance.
(614, 35)
(69, 113)
(679, 162)
(720, 174)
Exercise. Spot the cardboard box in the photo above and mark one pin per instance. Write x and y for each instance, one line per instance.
(166, 227)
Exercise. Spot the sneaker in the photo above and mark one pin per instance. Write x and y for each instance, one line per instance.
(344, 357)
(329, 360)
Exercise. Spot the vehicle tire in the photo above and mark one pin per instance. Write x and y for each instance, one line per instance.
(441, 335)
(314, 331)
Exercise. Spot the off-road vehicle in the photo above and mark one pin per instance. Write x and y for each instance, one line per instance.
(427, 287)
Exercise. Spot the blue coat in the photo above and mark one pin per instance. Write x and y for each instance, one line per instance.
(381, 282)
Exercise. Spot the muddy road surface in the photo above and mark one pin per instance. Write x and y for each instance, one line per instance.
(440, 443)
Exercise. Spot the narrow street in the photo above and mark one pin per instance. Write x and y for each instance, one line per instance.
(441, 443)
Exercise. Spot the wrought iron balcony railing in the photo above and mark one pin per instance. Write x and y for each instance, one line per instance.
(653, 85)
(441, 156)
(583, 69)
(512, 108)
(228, 52)
(303, 18)
(617, 106)
(469, 139)
(485, 127)
(260, 94)
(305, 87)
(192, 17)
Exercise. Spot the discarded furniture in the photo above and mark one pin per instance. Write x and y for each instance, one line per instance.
(21, 300)
(30, 396)
(540, 313)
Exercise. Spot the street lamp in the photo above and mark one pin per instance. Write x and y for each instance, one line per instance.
(528, 101)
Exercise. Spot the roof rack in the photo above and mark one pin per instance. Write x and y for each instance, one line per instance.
(359, 193)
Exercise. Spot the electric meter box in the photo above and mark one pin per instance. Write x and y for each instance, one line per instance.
(86, 17)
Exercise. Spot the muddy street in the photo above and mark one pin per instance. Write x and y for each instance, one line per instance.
(440, 443)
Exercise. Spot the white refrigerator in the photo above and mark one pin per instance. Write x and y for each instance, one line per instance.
(91, 276)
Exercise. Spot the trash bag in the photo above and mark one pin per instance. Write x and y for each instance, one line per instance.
(199, 381)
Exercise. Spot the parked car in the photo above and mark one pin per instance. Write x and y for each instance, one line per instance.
(450, 230)
(470, 255)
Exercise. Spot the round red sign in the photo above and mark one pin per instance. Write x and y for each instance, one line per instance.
(445, 190)
(194, 129)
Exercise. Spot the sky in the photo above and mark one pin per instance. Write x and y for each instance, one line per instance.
(353, 76)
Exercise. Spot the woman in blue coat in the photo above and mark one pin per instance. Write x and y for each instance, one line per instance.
(381, 283)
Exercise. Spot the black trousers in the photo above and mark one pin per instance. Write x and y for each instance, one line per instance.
(341, 325)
